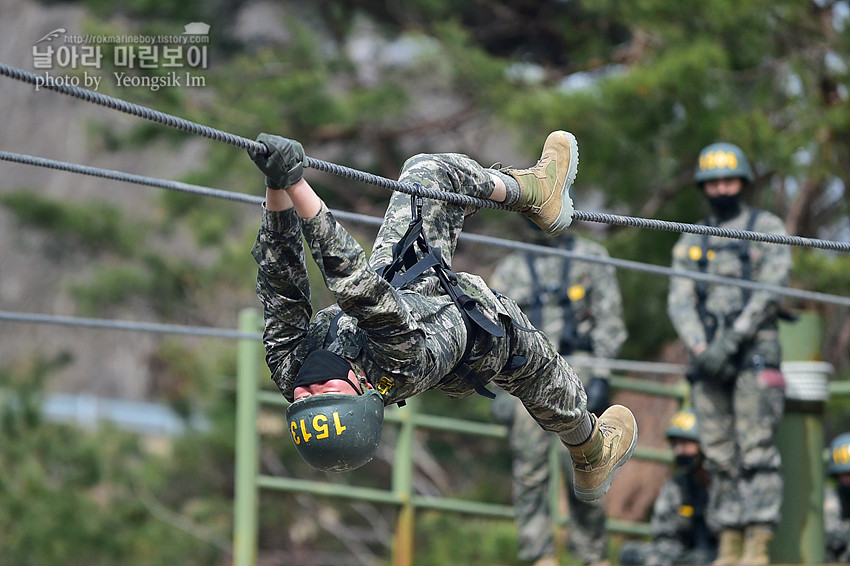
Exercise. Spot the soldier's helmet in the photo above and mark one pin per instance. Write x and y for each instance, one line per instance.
(722, 160)
(683, 424)
(839, 455)
(336, 432)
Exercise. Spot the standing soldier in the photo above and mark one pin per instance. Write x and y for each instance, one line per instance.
(578, 305)
(679, 531)
(837, 502)
(733, 337)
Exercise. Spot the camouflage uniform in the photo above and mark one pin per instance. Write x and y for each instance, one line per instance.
(597, 313)
(405, 341)
(679, 532)
(737, 421)
(837, 527)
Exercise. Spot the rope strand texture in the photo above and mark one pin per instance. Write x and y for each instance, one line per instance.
(354, 174)
(235, 140)
(464, 236)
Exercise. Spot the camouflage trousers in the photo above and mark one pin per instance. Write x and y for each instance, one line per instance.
(546, 384)
(530, 447)
(638, 553)
(737, 429)
(442, 221)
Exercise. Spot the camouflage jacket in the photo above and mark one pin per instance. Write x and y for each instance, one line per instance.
(753, 313)
(678, 521)
(837, 528)
(592, 289)
(405, 341)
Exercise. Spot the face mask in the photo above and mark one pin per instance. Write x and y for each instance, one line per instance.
(725, 206)
(687, 463)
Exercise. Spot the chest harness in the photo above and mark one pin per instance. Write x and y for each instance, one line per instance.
(569, 340)
(695, 498)
(412, 256)
(709, 319)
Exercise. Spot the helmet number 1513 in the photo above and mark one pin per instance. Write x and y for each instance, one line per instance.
(320, 428)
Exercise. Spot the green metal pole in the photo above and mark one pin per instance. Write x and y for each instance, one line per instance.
(799, 538)
(403, 486)
(247, 443)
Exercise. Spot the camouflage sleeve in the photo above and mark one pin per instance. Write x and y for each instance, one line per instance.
(513, 278)
(391, 329)
(682, 299)
(282, 284)
(772, 265)
(609, 330)
(666, 523)
(836, 530)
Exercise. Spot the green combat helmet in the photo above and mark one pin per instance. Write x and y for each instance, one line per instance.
(683, 424)
(336, 433)
(839, 455)
(722, 161)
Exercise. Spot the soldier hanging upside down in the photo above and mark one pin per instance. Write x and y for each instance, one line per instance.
(405, 323)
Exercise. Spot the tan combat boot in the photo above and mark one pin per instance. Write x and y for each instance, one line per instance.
(610, 445)
(730, 548)
(545, 188)
(546, 561)
(756, 542)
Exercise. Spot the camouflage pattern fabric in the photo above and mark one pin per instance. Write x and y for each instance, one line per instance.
(592, 288)
(737, 421)
(836, 527)
(530, 445)
(675, 528)
(409, 340)
(597, 312)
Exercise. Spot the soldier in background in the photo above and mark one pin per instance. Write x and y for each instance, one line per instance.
(837, 501)
(733, 337)
(578, 305)
(679, 531)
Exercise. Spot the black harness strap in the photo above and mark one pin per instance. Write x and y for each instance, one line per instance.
(709, 320)
(535, 306)
(333, 329)
(569, 340)
(407, 265)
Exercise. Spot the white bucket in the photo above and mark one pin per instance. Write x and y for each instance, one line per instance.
(807, 381)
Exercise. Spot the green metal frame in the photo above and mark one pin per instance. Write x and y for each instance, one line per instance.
(249, 481)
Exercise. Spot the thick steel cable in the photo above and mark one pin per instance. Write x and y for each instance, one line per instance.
(464, 236)
(158, 328)
(661, 270)
(413, 189)
(128, 177)
(128, 325)
(668, 226)
(235, 140)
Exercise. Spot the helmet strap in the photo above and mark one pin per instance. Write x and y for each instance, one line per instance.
(354, 385)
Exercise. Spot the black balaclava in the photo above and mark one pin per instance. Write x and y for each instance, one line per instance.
(688, 463)
(322, 365)
(725, 206)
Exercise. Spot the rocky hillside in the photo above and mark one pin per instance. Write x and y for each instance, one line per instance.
(39, 268)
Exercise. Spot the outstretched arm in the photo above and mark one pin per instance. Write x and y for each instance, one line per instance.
(300, 195)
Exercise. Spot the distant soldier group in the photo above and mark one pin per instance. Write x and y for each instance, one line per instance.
(722, 503)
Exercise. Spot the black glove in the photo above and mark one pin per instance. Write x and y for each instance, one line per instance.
(598, 395)
(283, 165)
(717, 360)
